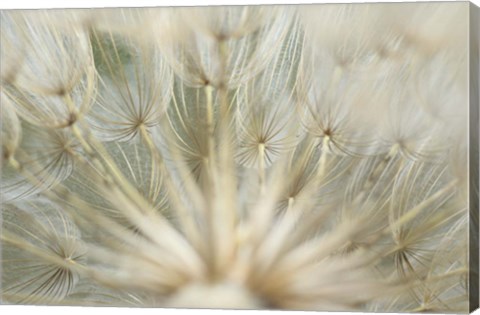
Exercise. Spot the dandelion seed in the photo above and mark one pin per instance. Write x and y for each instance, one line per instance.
(266, 119)
(404, 133)
(45, 154)
(230, 51)
(130, 95)
(56, 78)
(265, 134)
(28, 279)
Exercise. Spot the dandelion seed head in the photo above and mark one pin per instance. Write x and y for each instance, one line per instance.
(237, 157)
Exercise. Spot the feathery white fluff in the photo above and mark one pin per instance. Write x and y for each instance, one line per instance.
(309, 157)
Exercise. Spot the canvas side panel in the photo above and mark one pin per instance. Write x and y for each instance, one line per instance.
(474, 147)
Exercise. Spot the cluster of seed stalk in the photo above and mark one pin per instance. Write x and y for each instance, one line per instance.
(287, 157)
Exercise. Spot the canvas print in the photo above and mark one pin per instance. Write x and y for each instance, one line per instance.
(315, 157)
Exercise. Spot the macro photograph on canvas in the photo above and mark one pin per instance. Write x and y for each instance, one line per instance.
(318, 157)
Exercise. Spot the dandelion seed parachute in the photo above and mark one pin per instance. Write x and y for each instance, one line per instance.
(266, 120)
(54, 81)
(335, 111)
(44, 154)
(403, 133)
(134, 85)
(187, 121)
(26, 278)
(226, 51)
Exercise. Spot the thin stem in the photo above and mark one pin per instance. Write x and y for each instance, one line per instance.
(322, 162)
(210, 119)
(78, 134)
(291, 200)
(211, 184)
(261, 167)
(186, 217)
